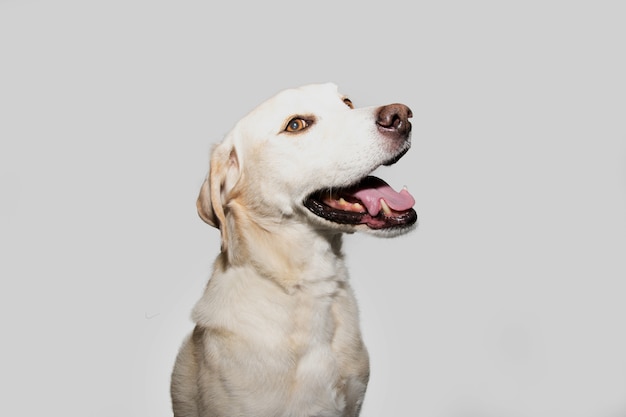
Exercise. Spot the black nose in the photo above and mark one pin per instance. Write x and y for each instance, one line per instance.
(393, 120)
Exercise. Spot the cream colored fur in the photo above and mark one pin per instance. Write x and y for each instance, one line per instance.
(277, 328)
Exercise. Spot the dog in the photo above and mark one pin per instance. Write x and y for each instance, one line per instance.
(277, 329)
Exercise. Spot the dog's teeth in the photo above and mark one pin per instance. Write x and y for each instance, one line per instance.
(342, 202)
(358, 207)
(385, 207)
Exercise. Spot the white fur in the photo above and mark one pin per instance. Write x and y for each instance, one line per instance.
(277, 329)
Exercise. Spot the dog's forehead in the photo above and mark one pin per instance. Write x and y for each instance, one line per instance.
(270, 117)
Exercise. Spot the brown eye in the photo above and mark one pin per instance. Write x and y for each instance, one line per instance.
(348, 102)
(296, 124)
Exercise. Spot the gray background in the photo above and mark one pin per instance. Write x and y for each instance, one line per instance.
(507, 301)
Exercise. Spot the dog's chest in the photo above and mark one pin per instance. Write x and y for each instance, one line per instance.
(282, 339)
(303, 321)
(302, 336)
(312, 324)
(316, 373)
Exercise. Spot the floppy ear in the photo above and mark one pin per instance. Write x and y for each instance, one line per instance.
(223, 174)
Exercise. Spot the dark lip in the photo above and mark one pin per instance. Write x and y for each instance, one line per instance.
(317, 207)
(314, 204)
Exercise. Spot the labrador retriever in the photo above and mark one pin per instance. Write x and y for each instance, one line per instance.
(277, 329)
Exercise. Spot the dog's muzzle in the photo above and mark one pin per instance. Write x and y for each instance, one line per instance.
(372, 201)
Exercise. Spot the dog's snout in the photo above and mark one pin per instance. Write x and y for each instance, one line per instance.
(393, 120)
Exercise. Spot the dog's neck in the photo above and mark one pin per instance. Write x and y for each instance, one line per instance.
(290, 252)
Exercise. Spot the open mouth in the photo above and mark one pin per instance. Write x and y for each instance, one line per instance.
(371, 202)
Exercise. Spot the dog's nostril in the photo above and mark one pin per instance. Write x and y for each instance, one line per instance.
(395, 118)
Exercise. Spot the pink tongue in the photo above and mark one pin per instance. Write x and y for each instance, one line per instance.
(372, 189)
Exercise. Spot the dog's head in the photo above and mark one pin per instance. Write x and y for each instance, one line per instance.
(307, 153)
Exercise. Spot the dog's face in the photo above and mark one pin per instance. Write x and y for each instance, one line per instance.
(308, 152)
